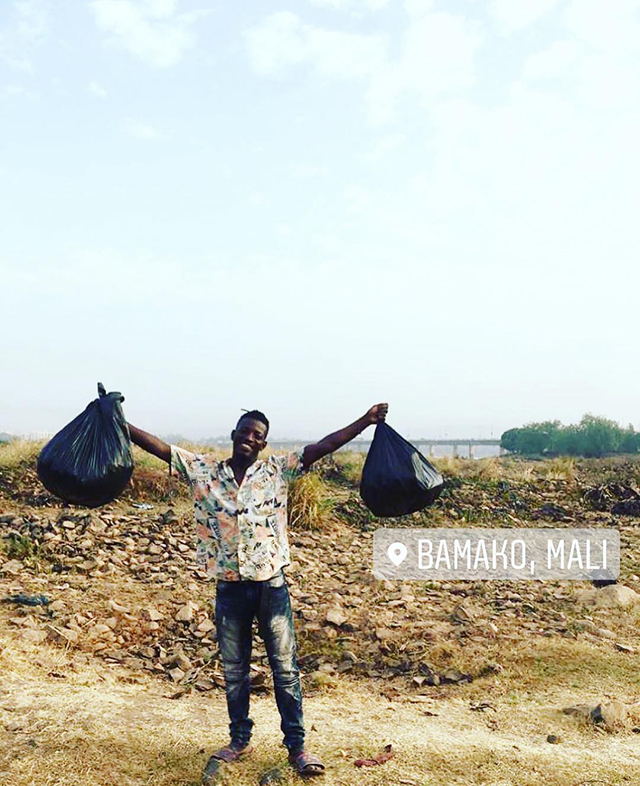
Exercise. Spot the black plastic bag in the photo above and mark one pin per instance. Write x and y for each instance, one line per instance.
(90, 462)
(397, 479)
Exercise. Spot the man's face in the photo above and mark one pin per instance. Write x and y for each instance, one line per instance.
(249, 437)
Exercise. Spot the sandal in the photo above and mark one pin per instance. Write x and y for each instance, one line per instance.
(306, 764)
(227, 754)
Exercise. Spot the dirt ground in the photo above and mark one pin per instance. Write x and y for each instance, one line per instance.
(117, 679)
(63, 724)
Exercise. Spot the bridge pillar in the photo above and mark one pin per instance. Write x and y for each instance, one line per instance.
(470, 451)
(501, 451)
(432, 451)
(455, 449)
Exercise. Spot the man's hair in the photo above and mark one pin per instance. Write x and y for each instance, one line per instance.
(254, 414)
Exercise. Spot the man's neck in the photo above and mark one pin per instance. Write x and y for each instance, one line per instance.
(239, 466)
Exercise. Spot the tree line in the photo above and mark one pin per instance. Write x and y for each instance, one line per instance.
(592, 437)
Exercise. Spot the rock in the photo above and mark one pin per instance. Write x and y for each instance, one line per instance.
(335, 616)
(579, 711)
(553, 739)
(13, 566)
(611, 713)
(34, 635)
(57, 605)
(185, 614)
(464, 612)
(151, 614)
(612, 595)
(382, 634)
(62, 635)
(349, 656)
(588, 625)
(321, 679)
(453, 675)
(96, 631)
(624, 648)
(176, 674)
(182, 661)
(206, 625)
(117, 607)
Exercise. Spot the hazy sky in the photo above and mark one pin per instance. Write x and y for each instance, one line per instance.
(309, 207)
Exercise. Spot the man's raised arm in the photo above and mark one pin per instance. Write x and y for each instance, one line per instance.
(332, 442)
(150, 443)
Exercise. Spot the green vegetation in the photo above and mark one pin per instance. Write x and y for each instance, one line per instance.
(20, 547)
(593, 437)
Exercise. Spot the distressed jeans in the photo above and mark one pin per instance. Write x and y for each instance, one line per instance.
(237, 603)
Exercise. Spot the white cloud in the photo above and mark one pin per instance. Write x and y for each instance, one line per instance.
(141, 130)
(283, 40)
(13, 91)
(152, 30)
(97, 89)
(370, 5)
(554, 63)
(417, 8)
(513, 15)
(382, 148)
(33, 17)
(437, 56)
(611, 26)
(30, 25)
(307, 171)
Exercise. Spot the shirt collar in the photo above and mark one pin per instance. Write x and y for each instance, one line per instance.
(250, 470)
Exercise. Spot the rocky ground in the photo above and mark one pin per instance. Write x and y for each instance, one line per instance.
(120, 584)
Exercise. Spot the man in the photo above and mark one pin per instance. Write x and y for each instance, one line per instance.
(241, 523)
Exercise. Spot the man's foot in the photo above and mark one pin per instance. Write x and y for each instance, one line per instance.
(306, 764)
(229, 753)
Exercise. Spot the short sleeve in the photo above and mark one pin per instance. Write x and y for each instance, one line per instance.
(183, 463)
(290, 464)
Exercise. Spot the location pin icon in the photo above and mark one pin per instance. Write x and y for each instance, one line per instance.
(397, 553)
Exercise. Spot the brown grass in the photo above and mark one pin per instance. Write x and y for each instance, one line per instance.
(96, 726)
(309, 503)
(18, 452)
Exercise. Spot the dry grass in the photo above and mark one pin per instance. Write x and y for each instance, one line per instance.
(447, 465)
(18, 452)
(309, 503)
(561, 468)
(96, 726)
(507, 468)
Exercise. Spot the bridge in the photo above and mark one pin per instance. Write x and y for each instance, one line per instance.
(426, 446)
(423, 445)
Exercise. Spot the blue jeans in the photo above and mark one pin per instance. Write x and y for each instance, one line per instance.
(237, 603)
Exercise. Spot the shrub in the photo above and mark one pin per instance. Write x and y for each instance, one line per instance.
(309, 503)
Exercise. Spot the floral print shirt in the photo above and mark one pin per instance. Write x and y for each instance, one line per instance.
(242, 530)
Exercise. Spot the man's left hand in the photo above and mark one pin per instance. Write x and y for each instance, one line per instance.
(377, 413)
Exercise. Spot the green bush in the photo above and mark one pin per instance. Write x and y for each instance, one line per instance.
(592, 437)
